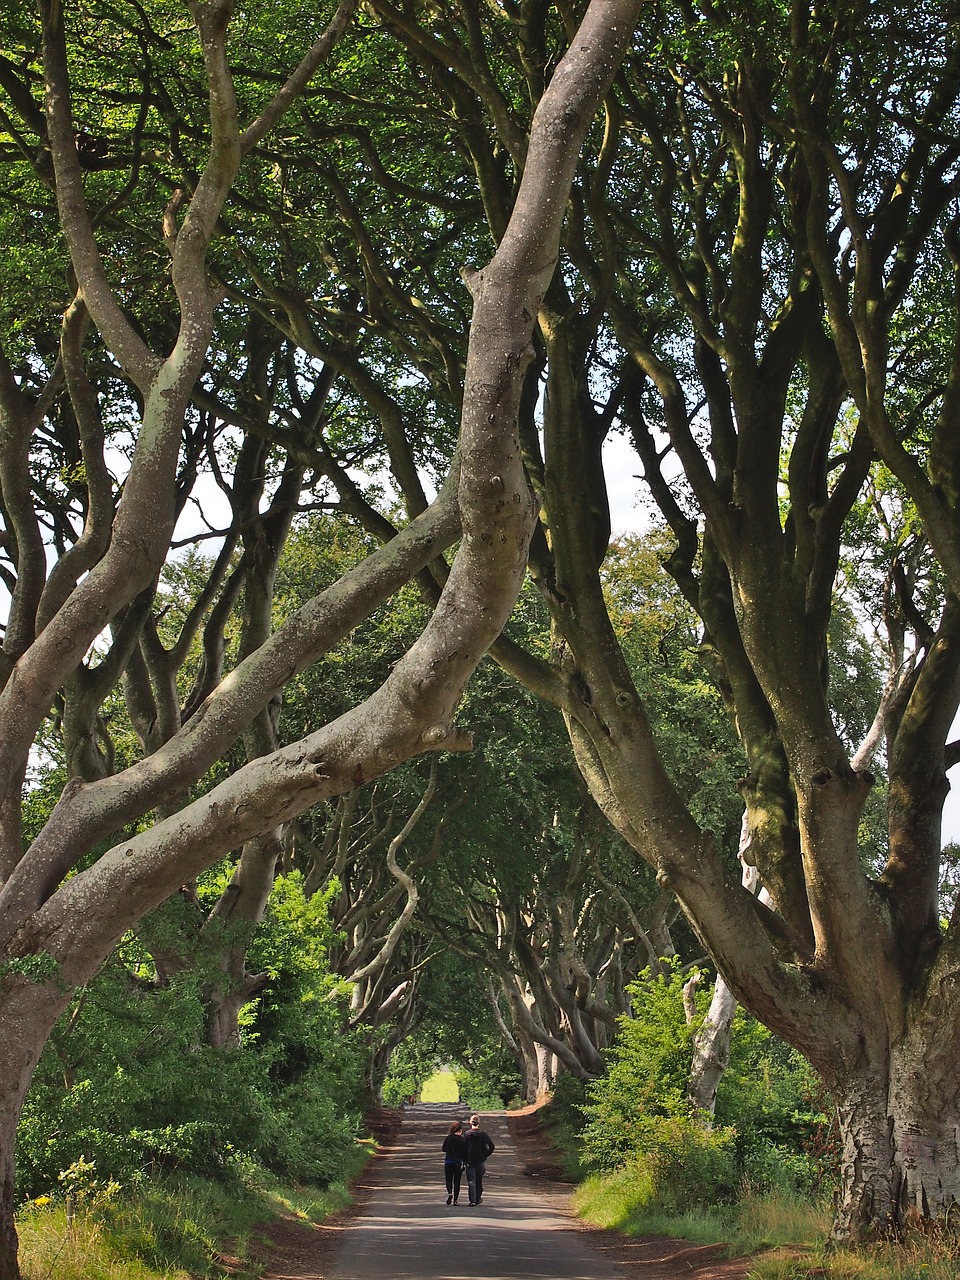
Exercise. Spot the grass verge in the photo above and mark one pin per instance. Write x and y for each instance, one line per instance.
(171, 1228)
(784, 1236)
(928, 1256)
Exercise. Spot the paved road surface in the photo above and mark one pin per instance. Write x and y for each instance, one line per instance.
(407, 1231)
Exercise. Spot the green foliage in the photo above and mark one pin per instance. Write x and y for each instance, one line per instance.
(767, 1114)
(679, 1165)
(646, 1074)
(81, 1185)
(168, 1228)
(564, 1118)
(568, 1101)
(129, 1084)
(400, 1086)
(492, 1085)
(130, 1088)
(45, 783)
(772, 1098)
(486, 1071)
(37, 968)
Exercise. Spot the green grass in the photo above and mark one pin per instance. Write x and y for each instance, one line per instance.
(49, 1251)
(440, 1087)
(786, 1236)
(621, 1201)
(174, 1228)
(926, 1257)
(762, 1221)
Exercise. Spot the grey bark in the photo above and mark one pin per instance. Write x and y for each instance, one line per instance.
(75, 924)
(711, 1043)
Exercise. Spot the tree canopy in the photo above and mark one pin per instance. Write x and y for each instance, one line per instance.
(247, 246)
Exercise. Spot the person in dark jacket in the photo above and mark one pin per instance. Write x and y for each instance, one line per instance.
(479, 1146)
(454, 1153)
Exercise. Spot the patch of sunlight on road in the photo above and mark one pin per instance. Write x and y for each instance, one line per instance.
(440, 1087)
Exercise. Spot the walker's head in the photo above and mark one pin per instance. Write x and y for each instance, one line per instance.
(475, 1121)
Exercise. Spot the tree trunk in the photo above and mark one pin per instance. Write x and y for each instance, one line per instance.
(28, 1012)
(711, 1051)
(524, 1052)
(867, 1199)
(926, 1161)
(925, 1119)
(898, 1107)
(546, 1071)
(240, 910)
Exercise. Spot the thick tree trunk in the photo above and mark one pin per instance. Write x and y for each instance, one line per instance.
(900, 1157)
(899, 1120)
(926, 1161)
(867, 1201)
(924, 1108)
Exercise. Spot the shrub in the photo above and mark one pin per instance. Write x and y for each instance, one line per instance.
(688, 1166)
(768, 1105)
(646, 1074)
(766, 1167)
(128, 1083)
(676, 1166)
(307, 1135)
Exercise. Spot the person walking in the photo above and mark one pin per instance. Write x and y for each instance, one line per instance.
(454, 1153)
(479, 1146)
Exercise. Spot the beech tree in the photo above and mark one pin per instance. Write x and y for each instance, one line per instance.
(785, 239)
(759, 290)
(57, 926)
(757, 286)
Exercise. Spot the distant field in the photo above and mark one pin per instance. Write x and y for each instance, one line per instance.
(441, 1087)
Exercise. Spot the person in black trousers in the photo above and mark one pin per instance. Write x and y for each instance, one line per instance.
(454, 1153)
(479, 1146)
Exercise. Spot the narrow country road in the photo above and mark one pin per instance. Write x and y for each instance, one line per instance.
(404, 1229)
(407, 1231)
